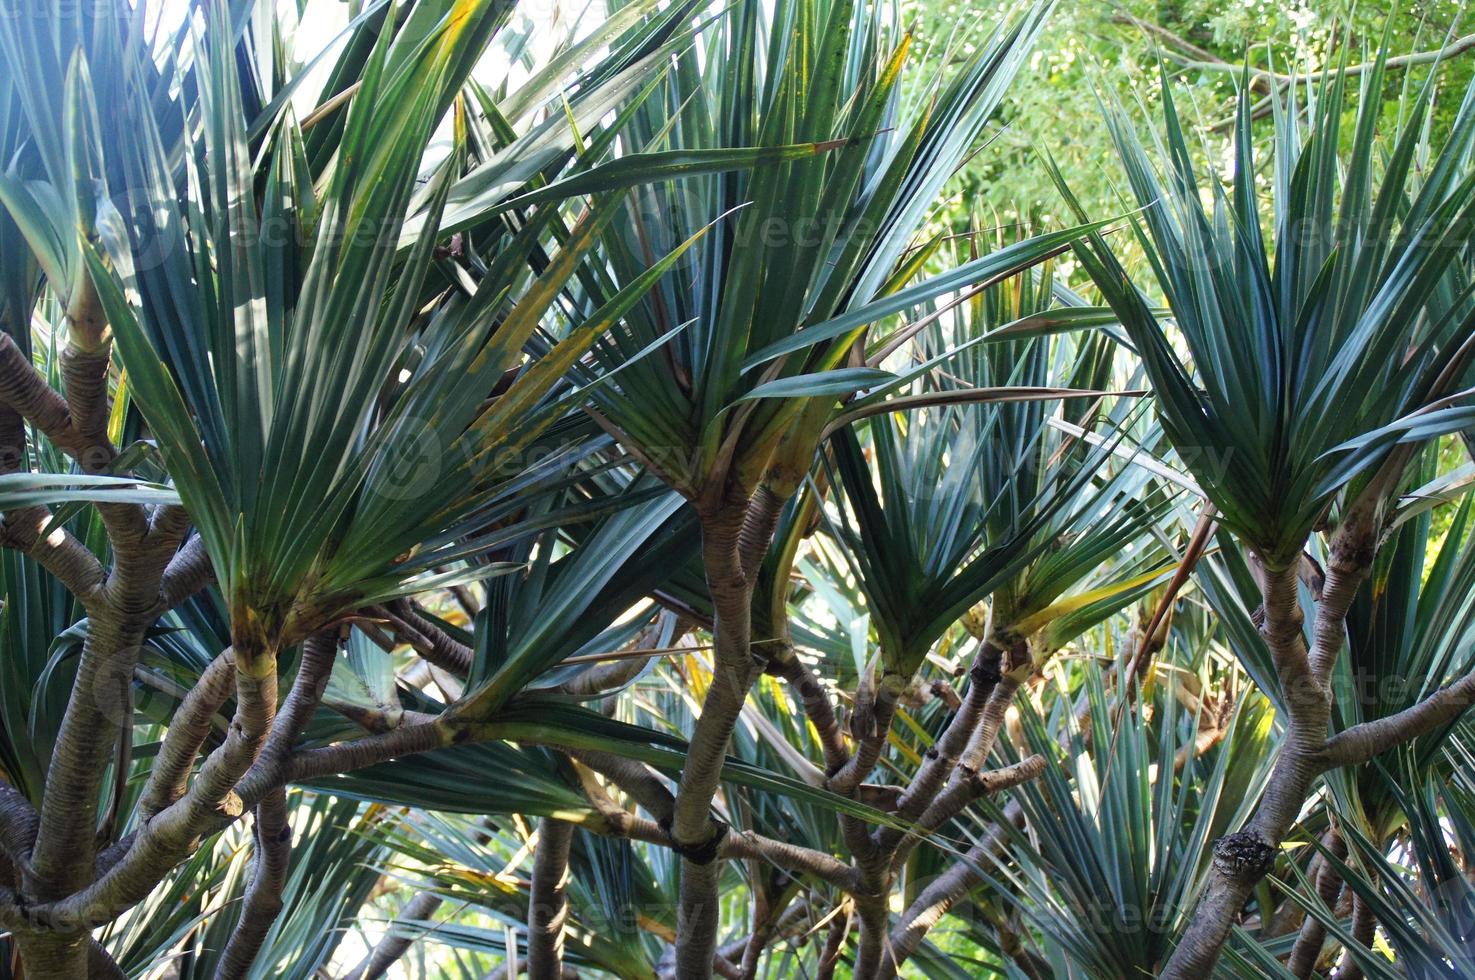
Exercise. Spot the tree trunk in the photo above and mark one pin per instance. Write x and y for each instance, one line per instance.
(872, 912)
(548, 899)
(263, 902)
(1242, 859)
(693, 831)
(52, 956)
(393, 946)
(1313, 934)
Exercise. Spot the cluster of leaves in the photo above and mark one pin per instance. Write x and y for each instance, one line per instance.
(460, 368)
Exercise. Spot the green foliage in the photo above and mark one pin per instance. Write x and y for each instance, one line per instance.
(450, 339)
(1309, 354)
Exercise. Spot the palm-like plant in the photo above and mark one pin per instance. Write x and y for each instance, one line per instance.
(764, 319)
(973, 502)
(269, 320)
(1320, 357)
(1109, 873)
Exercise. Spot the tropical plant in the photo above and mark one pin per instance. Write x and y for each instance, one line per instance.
(485, 495)
(1327, 335)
